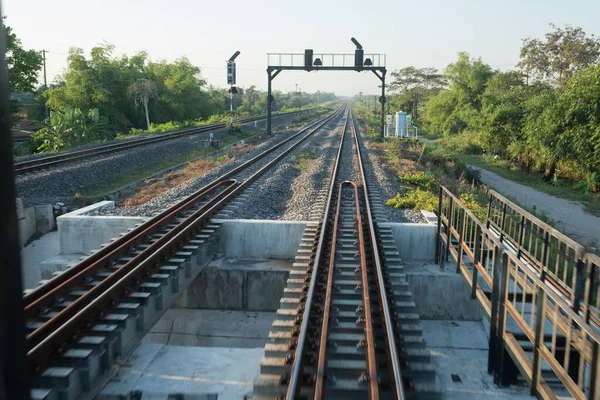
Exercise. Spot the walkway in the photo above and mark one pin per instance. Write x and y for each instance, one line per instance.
(570, 216)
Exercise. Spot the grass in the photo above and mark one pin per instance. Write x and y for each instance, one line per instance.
(561, 188)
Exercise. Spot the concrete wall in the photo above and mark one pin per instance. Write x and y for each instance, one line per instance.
(80, 233)
(33, 220)
(260, 240)
(415, 242)
(242, 285)
(441, 295)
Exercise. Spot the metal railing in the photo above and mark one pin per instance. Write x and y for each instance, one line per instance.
(538, 243)
(327, 59)
(538, 288)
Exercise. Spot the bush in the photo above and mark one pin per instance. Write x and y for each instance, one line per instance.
(71, 127)
(470, 201)
(416, 199)
(425, 180)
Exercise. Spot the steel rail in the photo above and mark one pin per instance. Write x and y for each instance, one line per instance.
(294, 386)
(94, 302)
(396, 369)
(41, 163)
(124, 241)
(321, 363)
(370, 338)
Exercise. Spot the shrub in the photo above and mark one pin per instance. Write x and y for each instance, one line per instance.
(416, 199)
(470, 201)
(425, 180)
(71, 127)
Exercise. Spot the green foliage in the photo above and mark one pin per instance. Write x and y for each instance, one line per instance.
(470, 201)
(23, 65)
(560, 56)
(457, 109)
(591, 183)
(170, 91)
(309, 154)
(414, 86)
(71, 127)
(424, 180)
(416, 199)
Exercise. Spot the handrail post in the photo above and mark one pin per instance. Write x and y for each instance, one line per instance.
(449, 233)
(539, 337)
(460, 239)
(521, 236)
(489, 212)
(497, 303)
(439, 226)
(579, 284)
(545, 255)
(595, 370)
(477, 259)
(503, 223)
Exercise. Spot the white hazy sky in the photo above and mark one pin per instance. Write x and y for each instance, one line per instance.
(419, 33)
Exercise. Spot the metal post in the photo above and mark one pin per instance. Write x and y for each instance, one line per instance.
(539, 339)
(14, 382)
(382, 101)
(439, 227)
(496, 301)
(269, 102)
(477, 260)
(231, 109)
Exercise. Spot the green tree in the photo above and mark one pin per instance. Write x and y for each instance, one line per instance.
(143, 90)
(579, 104)
(23, 65)
(415, 85)
(502, 111)
(458, 108)
(557, 58)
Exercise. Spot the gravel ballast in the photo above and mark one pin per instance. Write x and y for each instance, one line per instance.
(288, 190)
(65, 182)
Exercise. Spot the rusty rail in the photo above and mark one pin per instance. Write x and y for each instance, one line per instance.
(385, 307)
(370, 338)
(368, 289)
(526, 298)
(294, 383)
(52, 335)
(39, 295)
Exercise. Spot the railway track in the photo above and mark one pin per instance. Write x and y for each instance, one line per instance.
(94, 313)
(50, 161)
(347, 326)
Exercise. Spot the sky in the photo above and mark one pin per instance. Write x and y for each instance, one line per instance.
(418, 33)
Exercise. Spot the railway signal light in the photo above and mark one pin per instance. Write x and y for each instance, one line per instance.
(230, 73)
(359, 55)
(308, 59)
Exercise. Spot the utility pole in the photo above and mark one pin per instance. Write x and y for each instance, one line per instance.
(45, 83)
(296, 88)
(44, 58)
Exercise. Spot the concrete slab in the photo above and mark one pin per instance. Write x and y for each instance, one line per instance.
(34, 254)
(82, 233)
(415, 242)
(161, 370)
(441, 295)
(212, 328)
(460, 348)
(260, 239)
